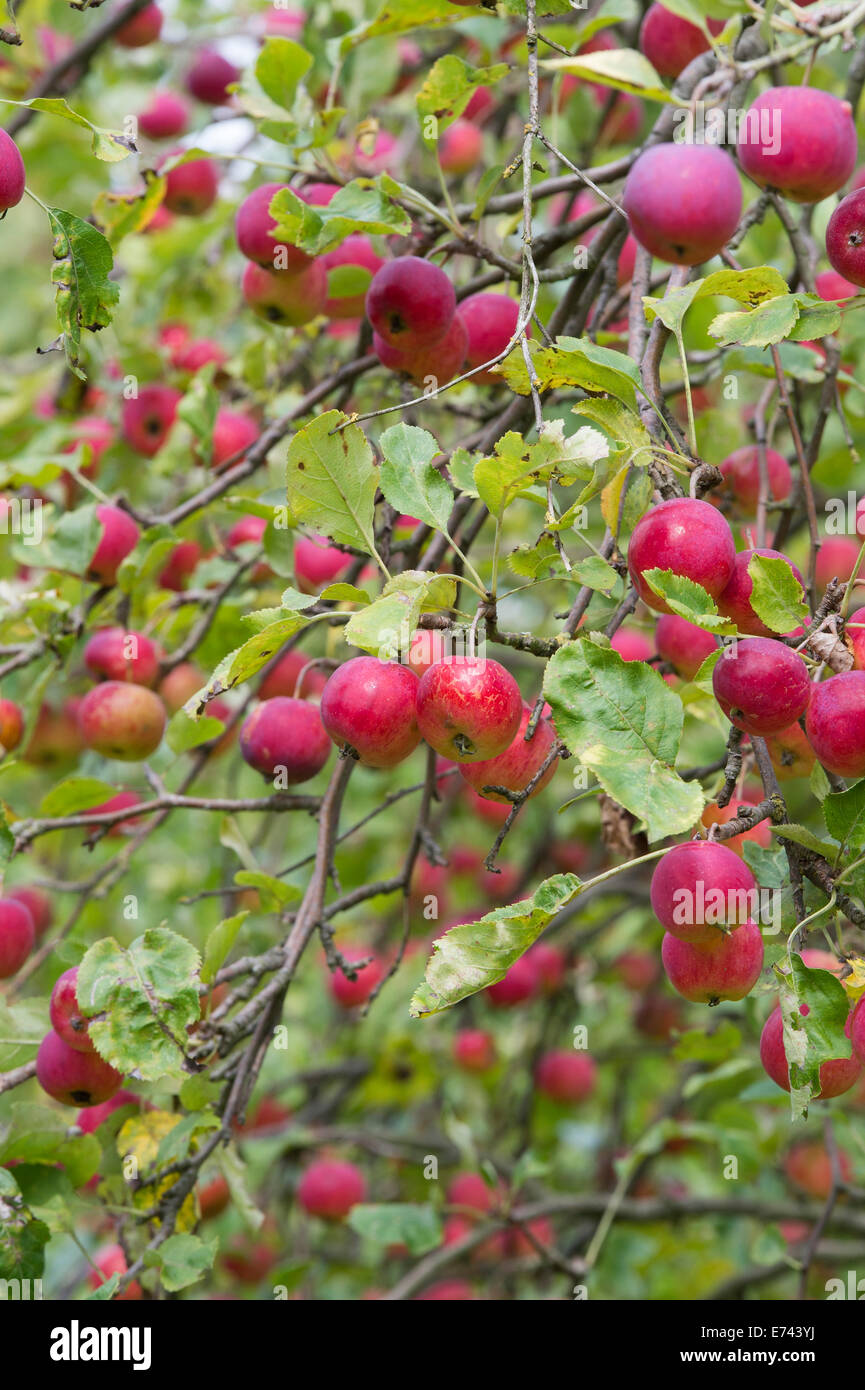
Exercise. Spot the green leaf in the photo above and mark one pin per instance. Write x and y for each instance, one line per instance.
(275, 894)
(73, 541)
(182, 1259)
(844, 814)
(118, 215)
(688, 600)
(416, 1227)
(184, 733)
(575, 362)
(622, 425)
(398, 17)
(624, 69)
(518, 469)
(75, 794)
(364, 205)
(219, 943)
(385, 627)
(245, 662)
(776, 595)
(471, 957)
(447, 90)
(149, 994)
(801, 835)
(85, 297)
(280, 67)
(624, 723)
(771, 321)
(408, 479)
(332, 481)
(108, 145)
(816, 1037)
(816, 318)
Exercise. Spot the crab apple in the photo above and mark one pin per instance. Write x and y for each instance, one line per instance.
(294, 676)
(699, 887)
(181, 683)
(248, 1261)
(427, 647)
(317, 563)
(119, 538)
(123, 801)
(182, 563)
(683, 201)
(761, 685)
(657, 1016)
(524, 1240)
(11, 726)
(110, 1260)
(566, 1076)
(94, 434)
(191, 188)
(143, 28)
(213, 1198)
(233, 433)
(253, 227)
(830, 285)
(17, 935)
(74, 1078)
(490, 321)
(474, 1050)
(440, 361)
(38, 904)
(836, 559)
(845, 238)
(800, 141)
(469, 1190)
(88, 1121)
(735, 601)
(287, 298)
(285, 23)
(199, 352)
(684, 645)
(348, 993)
(686, 536)
(67, 1020)
(410, 303)
(809, 1167)
(550, 965)
(284, 738)
(468, 708)
(835, 723)
(728, 969)
(670, 42)
(449, 1290)
(122, 721)
(518, 984)
(356, 254)
(330, 1189)
(791, 753)
(822, 960)
(210, 77)
(146, 419)
(631, 645)
(56, 738)
(165, 117)
(12, 175)
(857, 1030)
(836, 1076)
(637, 970)
(517, 765)
(372, 706)
(741, 471)
(461, 148)
(117, 655)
